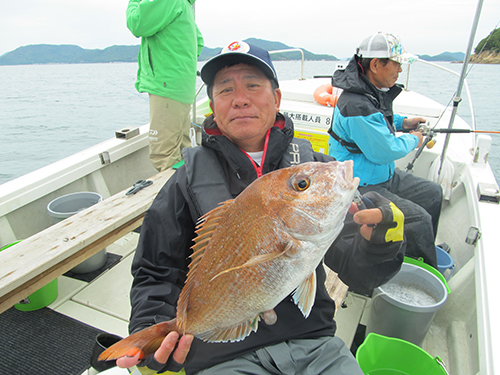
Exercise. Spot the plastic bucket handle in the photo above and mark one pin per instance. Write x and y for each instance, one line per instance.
(445, 261)
(382, 354)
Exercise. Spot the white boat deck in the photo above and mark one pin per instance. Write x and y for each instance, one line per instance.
(104, 302)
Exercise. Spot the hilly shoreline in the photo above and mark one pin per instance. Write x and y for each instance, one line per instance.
(72, 54)
(486, 57)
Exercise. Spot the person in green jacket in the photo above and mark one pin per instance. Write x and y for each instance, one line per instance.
(170, 45)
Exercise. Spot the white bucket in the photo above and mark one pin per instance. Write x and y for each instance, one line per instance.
(68, 205)
(405, 307)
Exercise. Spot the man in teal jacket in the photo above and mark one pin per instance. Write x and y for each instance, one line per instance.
(170, 45)
(363, 130)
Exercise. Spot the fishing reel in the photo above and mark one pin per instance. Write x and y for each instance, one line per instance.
(423, 128)
(429, 134)
(428, 142)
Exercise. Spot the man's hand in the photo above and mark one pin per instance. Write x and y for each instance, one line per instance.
(412, 123)
(388, 220)
(163, 353)
(420, 137)
(367, 219)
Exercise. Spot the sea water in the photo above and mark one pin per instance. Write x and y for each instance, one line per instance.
(48, 112)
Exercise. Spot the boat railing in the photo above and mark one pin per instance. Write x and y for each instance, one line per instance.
(466, 85)
(292, 50)
(193, 110)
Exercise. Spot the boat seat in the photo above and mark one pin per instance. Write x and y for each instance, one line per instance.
(39, 259)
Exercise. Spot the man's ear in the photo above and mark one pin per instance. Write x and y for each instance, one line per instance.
(211, 104)
(374, 64)
(277, 99)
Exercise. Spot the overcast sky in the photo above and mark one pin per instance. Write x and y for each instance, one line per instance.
(321, 26)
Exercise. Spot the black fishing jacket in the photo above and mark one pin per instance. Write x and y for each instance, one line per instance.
(216, 171)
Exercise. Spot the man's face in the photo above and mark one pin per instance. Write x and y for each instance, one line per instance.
(244, 105)
(384, 75)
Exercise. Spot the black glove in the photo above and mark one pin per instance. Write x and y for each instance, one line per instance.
(391, 228)
(151, 363)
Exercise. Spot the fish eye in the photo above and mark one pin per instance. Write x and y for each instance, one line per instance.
(300, 182)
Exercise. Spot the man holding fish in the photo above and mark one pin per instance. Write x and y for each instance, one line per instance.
(248, 295)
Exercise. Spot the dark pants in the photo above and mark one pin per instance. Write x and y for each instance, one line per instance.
(420, 200)
(325, 356)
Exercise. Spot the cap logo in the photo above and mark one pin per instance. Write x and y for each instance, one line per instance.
(237, 46)
(394, 45)
(238, 52)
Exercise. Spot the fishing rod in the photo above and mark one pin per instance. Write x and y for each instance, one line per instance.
(425, 130)
(429, 142)
(133, 93)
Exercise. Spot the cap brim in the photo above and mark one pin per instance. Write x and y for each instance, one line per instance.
(405, 58)
(216, 63)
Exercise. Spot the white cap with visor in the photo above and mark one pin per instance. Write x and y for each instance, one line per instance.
(385, 46)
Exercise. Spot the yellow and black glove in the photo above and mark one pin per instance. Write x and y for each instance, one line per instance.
(391, 228)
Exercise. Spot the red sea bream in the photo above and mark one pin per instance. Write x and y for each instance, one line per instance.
(252, 252)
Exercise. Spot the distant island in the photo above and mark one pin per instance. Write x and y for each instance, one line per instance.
(72, 54)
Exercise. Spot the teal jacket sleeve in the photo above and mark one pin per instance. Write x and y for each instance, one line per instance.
(398, 121)
(378, 144)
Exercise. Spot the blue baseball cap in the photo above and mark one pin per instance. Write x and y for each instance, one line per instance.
(238, 52)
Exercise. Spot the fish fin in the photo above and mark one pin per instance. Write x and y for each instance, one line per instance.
(256, 260)
(233, 334)
(205, 228)
(305, 295)
(214, 214)
(144, 342)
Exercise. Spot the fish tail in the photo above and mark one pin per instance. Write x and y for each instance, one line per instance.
(144, 342)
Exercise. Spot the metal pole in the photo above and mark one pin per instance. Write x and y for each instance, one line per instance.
(457, 99)
(292, 50)
(193, 107)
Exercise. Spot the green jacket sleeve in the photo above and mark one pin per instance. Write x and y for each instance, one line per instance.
(201, 42)
(145, 18)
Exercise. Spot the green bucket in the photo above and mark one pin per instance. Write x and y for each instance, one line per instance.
(381, 355)
(39, 299)
(420, 263)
